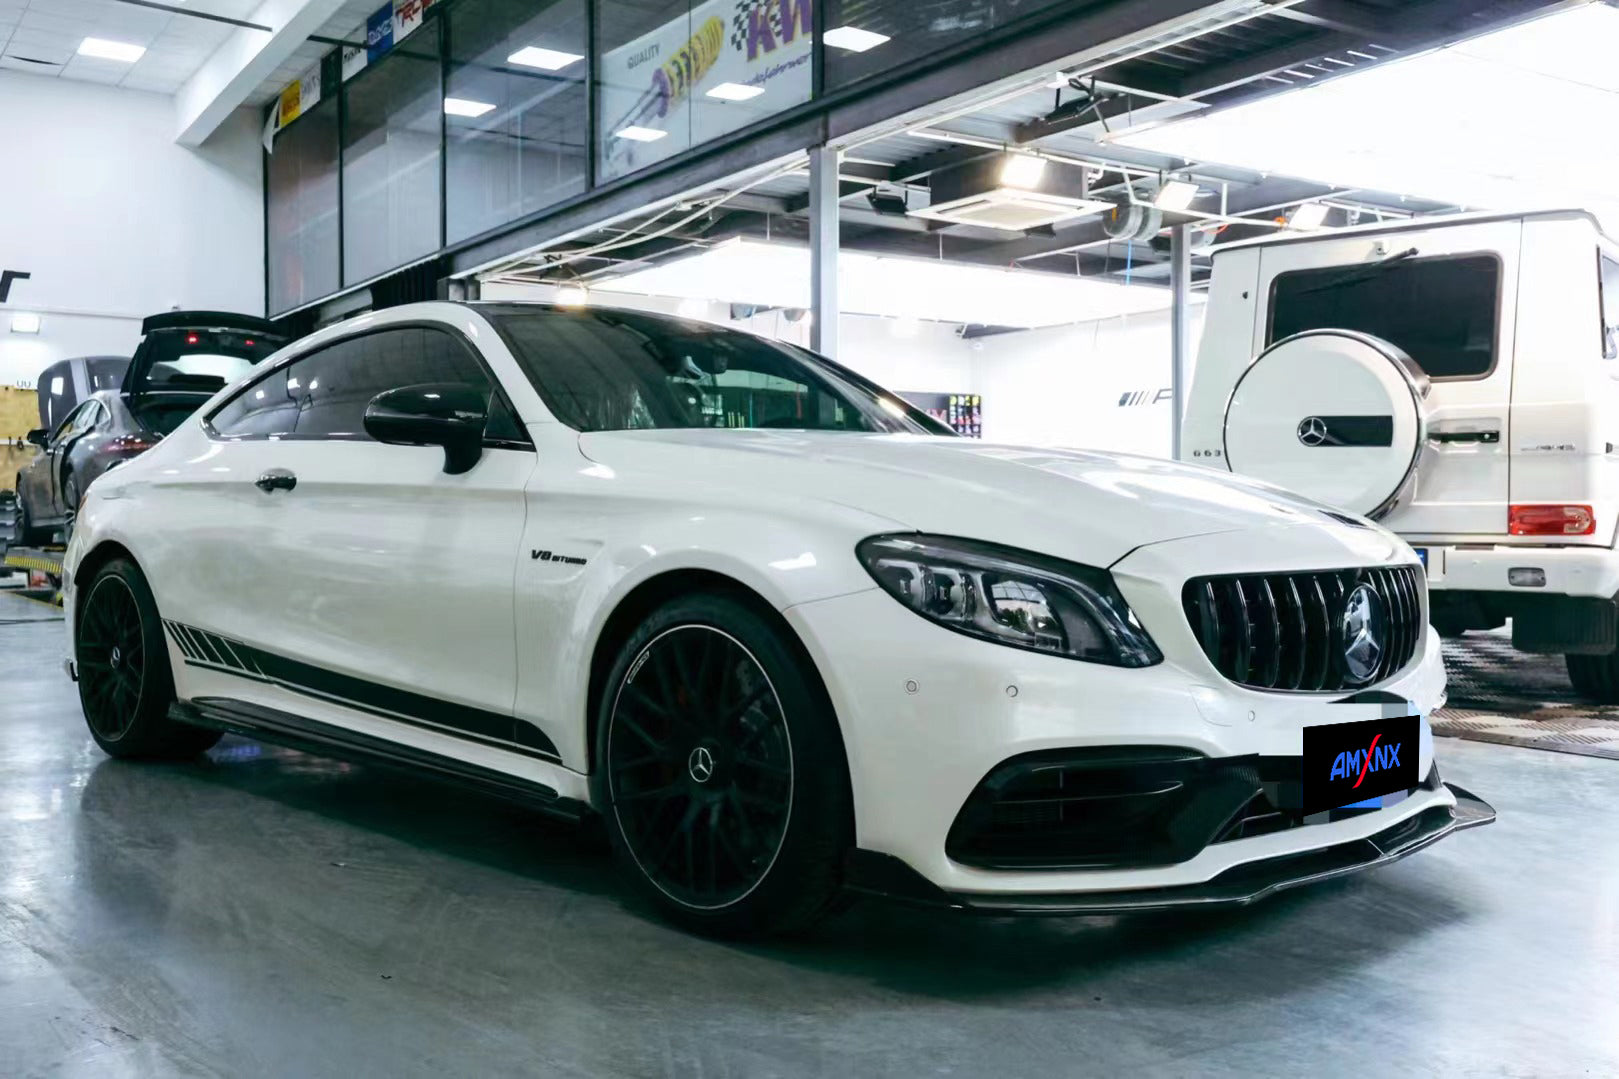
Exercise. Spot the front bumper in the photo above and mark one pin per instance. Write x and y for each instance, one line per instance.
(882, 875)
(927, 714)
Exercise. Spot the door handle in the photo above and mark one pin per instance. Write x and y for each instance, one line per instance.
(276, 479)
(1488, 438)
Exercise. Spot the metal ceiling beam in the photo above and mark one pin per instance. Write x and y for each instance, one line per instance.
(1346, 16)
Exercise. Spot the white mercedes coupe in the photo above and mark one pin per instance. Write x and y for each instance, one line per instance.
(786, 635)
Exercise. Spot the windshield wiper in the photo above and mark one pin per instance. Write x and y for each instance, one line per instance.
(1356, 274)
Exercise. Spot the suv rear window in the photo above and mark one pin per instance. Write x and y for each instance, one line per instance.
(1441, 311)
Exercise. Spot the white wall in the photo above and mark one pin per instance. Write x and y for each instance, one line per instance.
(115, 221)
(1095, 385)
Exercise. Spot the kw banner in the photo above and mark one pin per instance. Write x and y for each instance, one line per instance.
(724, 65)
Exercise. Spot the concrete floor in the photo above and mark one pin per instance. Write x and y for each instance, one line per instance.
(268, 913)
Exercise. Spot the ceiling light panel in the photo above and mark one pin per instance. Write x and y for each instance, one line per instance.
(460, 106)
(103, 49)
(543, 59)
(1431, 125)
(736, 91)
(853, 39)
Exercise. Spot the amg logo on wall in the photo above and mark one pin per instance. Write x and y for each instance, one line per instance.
(1136, 398)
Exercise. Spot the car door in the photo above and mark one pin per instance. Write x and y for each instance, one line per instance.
(1445, 298)
(81, 423)
(359, 573)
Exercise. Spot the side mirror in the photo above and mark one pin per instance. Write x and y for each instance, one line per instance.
(448, 414)
(37, 436)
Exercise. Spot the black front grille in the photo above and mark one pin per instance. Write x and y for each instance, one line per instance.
(1283, 631)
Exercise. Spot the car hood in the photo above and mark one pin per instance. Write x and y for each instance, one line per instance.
(1087, 506)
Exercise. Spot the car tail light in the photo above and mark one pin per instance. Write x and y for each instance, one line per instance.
(1551, 521)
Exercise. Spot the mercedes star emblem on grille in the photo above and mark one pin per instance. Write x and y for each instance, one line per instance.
(1362, 627)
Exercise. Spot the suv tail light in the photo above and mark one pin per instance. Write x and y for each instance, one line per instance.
(1551, 521)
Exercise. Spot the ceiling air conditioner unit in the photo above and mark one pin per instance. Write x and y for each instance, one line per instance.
(1014, 192)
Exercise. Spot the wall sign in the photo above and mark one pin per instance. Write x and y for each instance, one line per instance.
(961, 412)
(7, 277)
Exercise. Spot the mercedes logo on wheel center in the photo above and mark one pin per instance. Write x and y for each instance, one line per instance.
(701, 764)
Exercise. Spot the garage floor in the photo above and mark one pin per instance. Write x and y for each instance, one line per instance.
(268, 913)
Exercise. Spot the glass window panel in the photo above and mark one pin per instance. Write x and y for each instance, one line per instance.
(1441, 311)
(865, 37)
(674, 75)
(391, 159)
(520, 67)
(302, 177)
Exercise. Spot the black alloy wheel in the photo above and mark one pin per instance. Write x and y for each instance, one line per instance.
(721, 770)
(111, 657)
(125, 683)
(700, 767)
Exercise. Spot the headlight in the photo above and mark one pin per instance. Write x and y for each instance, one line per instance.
(1011, 597)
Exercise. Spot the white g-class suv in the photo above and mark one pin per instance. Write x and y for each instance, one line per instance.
(1454, 379)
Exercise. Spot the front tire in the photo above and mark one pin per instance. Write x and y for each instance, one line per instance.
(125, 684)
(722, 777)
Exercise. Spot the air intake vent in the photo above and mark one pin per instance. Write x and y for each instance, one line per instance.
(1295, 631)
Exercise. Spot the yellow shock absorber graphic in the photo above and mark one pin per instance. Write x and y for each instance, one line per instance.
(694, 60)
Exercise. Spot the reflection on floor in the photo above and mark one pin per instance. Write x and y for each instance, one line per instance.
(262, 912)
(1498, 694)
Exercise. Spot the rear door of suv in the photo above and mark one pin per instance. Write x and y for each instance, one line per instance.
(1447, 298)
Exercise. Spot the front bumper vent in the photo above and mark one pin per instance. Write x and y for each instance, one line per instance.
(1285, 631)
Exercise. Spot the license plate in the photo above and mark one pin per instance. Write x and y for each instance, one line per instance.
(1355, 764)
(1422, 556)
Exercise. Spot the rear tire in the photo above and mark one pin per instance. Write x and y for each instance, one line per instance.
(125, 684)
(70, 505)
(1595, 678)
(26, 535)
(721, 773)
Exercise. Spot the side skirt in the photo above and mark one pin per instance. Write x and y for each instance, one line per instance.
(325, 740)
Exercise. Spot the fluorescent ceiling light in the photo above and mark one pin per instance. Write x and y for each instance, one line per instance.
(460, 106)
(640, 134)
(1430, 126)
(25, 323)
(544, 59)
(1022, 170)
(1311, 215)
(1175, 195)
(103, 49)
(572, 296)
(735, 91)
(853, 38)
(746, 271)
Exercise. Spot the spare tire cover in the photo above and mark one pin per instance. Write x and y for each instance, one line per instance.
(1332, 414)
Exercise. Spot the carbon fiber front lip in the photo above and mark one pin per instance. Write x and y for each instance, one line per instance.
(1254, 881)
(881, 875)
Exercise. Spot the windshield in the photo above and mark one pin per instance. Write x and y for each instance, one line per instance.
(600, 370)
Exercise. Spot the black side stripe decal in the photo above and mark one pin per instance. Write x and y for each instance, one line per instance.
(211, 651)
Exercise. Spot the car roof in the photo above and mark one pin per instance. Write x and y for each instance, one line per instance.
(1409, 224)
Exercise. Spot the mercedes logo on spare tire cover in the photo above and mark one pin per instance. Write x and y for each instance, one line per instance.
(1336, 415)
(1362, 627)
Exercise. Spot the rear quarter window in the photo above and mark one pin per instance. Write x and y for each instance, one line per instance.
(1443, 312)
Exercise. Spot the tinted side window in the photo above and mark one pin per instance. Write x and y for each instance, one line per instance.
(324, 395)
(1609, 283)
(333, 386)
(1441, 311)
(261, 410)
